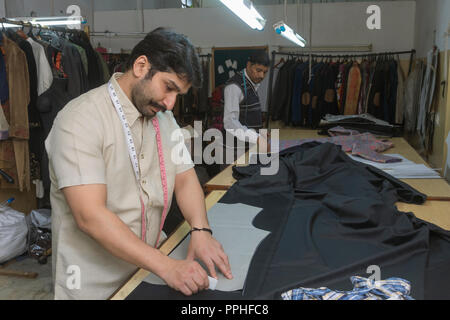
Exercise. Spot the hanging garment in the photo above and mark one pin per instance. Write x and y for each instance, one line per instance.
(296, 106)
(365, 74)
(95, 73)
(204, 90)
(43, 70)
(391, 87)
(376, 97)
(400, 107)
(4, 89)
(412, 90)
(313, 90)
(14, 153)
(286, 107)
(427, 92)
(318, 93)
(353, 88)
(83, 57)
(338, 86)
(364, 289)
(35, 134)
(328, 98)
(346, 70)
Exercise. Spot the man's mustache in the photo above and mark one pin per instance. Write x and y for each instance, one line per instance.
(157, 105)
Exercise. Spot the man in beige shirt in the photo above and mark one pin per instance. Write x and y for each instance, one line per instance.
(96, 198)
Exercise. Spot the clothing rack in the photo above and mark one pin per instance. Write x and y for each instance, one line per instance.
(275, 53)
(23, 24)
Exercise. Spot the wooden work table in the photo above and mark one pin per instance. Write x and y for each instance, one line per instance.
(431, 187)
(436, 212)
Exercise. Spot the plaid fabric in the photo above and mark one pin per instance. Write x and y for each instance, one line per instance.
(365, 145)
(363, 289)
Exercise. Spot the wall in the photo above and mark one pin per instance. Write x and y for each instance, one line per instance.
(431, 16)
(2, 8)
(334, 24)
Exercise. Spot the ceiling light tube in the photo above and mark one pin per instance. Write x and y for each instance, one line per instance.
(284, 30)
(52, 21)
(245, 10)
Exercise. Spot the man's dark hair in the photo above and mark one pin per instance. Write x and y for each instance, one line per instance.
(168, 51)
(260, 57)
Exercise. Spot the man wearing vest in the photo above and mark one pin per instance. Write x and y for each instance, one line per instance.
(242, 108)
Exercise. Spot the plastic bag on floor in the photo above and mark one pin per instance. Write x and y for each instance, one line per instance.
(13, 233)
(40, 236)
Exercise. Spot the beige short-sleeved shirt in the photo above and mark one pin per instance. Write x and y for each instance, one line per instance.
(87, 146)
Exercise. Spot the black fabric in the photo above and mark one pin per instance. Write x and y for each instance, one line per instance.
(331, 218)
(342, 220)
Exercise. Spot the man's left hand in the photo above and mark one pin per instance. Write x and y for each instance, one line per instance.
(203, 246)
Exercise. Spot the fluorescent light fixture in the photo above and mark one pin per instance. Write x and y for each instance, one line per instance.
(245, 10)
(8, 25)
(283, 29)
(51, 21)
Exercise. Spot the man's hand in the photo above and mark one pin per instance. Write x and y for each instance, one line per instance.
(204, 247)
(186, 276)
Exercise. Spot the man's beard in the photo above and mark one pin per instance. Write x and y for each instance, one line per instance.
(144, 103)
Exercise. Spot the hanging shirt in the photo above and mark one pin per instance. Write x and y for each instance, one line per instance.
(233, 96)
(87, 145)
(44, 72)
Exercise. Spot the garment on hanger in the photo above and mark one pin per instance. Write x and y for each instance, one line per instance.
(400, 103)
(14, 152)
(44, 72)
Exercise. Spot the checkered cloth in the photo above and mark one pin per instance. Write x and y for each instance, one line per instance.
(365, 145)
(364, 289)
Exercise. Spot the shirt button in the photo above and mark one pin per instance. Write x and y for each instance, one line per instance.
(144, 181)
(142, 156)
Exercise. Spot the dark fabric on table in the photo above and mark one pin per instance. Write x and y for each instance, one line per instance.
(330, 218)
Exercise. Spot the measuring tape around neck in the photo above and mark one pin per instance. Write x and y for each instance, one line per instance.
(135, 163)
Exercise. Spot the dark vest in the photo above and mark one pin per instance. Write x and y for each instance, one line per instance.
(250, 107)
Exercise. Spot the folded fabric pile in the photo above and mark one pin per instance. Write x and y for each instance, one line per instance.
(364, 289)
(365, 145)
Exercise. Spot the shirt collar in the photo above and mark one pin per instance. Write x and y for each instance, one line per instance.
(256, 86)
(131, 112)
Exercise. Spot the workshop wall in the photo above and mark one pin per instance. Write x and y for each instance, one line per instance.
(334, 24)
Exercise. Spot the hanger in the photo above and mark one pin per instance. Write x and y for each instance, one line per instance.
(279, 62)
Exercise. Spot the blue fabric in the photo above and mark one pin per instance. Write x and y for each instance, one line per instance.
(4, 88)
(363, 289)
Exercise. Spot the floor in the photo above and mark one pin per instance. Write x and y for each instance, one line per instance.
(20, 288)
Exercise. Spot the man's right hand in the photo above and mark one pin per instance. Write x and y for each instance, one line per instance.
(186, 276)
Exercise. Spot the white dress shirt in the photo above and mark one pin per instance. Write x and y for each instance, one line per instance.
(233, 96)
